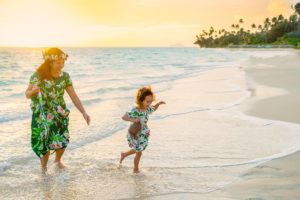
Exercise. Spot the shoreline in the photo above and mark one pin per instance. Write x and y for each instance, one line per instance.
(283, 80)
(278, 178)
(265, 46)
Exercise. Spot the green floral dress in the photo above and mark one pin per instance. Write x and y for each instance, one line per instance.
(141, 143)
(50, 116)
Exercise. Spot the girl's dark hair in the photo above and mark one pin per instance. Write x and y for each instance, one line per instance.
(44, 69)
(141, 95)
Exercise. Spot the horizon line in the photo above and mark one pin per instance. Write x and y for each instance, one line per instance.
(37, 47)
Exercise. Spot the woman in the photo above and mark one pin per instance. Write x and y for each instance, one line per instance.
(50, 118)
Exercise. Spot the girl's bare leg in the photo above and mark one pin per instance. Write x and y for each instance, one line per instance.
(137, 158)
(125, 154)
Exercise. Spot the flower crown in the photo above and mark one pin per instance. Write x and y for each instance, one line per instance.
(47, 56)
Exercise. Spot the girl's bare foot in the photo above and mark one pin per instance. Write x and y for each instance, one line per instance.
(122, 157)
(136, 171)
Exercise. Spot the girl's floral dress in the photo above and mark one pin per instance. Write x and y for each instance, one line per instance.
(50, 117)
(142, 142)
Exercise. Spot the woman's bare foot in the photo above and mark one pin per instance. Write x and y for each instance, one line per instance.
(59, 164)
(44, 171)
(136, 171)
(122, 157)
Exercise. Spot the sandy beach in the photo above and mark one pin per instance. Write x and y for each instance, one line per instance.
(281, 73)
(278, 178)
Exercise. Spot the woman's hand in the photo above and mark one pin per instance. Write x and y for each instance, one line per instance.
(86, 117)
(35, 89)
(32, 90)
(75, 99)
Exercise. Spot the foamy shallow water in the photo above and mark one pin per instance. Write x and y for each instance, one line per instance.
(199, 142)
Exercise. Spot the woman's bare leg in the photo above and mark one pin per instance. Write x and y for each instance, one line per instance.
(44, 162)
(58, 155)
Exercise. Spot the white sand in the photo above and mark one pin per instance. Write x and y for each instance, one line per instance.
(279, 178)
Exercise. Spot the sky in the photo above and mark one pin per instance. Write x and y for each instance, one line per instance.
(125, 23)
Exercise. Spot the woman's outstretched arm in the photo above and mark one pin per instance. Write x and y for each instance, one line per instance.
(75, 99)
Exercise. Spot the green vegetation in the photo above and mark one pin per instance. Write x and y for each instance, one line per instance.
(274, 31)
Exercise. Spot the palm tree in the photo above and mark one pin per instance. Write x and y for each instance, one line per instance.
(266, 27)
(211, 31)
(253, 26)
(235, 26)
(293, 18)
(274, 20)
(267, 23)
(267, 32)
(242, 33)
(248, 38)
(204, 33)
(260, 28)
(280, 18)
(297, 8)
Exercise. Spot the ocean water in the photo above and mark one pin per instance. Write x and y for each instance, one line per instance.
(200, 141)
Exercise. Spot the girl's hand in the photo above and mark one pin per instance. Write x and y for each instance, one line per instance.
(135, 120)
(162, 102)
(158, 104)
(87, 118)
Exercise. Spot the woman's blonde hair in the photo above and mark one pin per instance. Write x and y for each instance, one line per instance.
(141, 94)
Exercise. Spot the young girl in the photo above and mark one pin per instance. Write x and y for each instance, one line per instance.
(140, 114)
(50, 117)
